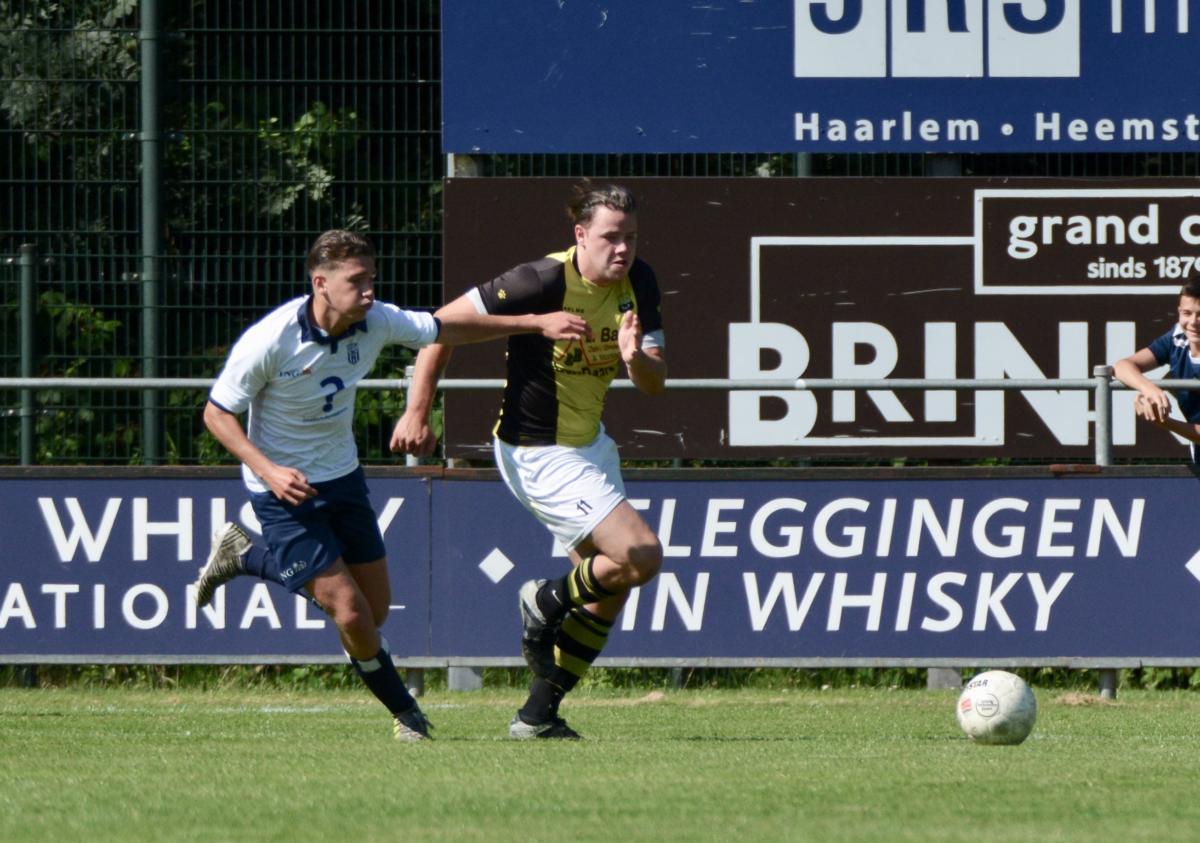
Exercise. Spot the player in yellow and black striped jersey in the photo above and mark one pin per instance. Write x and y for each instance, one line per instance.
(555, 390)
(550, 444)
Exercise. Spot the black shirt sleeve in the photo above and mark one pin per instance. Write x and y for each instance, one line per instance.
(649, 300)
(518, 291)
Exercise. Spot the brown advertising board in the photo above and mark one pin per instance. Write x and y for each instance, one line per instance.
(861, 278)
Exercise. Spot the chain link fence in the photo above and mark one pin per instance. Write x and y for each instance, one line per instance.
(269, 123)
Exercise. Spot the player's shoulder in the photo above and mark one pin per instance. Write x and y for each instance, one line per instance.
(383, 311)
(532, 277)
(280, 323)
(1171, 343)
(546, 270)
(386, 316)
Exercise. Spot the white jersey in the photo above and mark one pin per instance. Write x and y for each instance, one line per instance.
(299, 384)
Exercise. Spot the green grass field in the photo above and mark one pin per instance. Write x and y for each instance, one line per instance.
(689, 765)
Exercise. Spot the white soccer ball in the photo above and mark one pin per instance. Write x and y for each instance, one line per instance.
(997, 707)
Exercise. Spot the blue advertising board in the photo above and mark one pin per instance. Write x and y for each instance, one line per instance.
(1017, 570)
(103, 568)
(820, 75)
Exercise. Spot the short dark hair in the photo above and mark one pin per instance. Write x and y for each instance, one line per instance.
(1191, 289)
(586, 197)
(337, 245)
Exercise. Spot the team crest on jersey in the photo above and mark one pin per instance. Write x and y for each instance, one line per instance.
(625, 305)
(352, 353)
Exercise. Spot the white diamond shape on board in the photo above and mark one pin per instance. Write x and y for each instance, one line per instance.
(496, 565)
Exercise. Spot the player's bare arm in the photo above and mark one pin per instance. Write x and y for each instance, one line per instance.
(287, 484)
(1190, 432)
(462, 323)
(1151, 403)
(412, 434)
(646, 366)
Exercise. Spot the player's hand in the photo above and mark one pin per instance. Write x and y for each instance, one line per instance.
(561, 325)
(629, 336)
(289, 485)
(413, 435)
(1152, 404)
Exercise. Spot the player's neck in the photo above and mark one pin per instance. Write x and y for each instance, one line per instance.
(596, 280)
(332, 324)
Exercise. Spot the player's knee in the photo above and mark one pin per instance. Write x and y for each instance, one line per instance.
(355, 621)
(645, 558)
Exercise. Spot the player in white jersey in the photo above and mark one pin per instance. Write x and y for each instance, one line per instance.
(295, 372)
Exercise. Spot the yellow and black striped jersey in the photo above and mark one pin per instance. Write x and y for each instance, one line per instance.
(555, 390)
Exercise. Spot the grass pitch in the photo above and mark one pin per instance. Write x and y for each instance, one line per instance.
(753, 765)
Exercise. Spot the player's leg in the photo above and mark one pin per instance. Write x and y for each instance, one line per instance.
(344, 602)
(338, 590)
(375, 584)
(587, 603)
(578, 494)
(357, 529)
(621, 553)
(232, 554)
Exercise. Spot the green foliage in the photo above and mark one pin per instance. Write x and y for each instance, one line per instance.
(67, 425)
(57, 55)
(302, 158)
(83, 332)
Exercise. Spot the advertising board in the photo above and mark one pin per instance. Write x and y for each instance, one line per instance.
(790, 568)
(820, 75)
(862, 279)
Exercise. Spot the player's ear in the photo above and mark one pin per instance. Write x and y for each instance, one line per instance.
(580, 231)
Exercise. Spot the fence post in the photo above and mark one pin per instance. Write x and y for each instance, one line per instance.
(410, 460)
(150, 143)
(28, 312)
(943, 166)
(28, 344)
(1103, 376)
(464, 678)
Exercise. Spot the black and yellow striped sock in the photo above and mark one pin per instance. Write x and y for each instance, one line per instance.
(583, 586)
(580, 640)
(578, 588)
(582, 637)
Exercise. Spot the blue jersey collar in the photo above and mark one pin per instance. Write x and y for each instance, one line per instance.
(311, 333)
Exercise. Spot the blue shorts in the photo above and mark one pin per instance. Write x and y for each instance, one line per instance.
(305, 540)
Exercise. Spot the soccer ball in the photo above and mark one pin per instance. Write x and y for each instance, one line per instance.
(997, 707)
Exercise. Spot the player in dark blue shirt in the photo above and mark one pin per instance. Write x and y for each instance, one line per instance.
(1179, 350)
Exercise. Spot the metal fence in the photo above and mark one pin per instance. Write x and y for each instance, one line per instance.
(1101, 384)
(170, 163)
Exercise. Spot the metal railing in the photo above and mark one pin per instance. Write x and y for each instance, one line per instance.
(1101, 383)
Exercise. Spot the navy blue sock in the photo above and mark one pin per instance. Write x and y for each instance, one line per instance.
(258, 562)
(380, 676)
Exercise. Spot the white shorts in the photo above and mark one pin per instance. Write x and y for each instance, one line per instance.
(570, 490)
